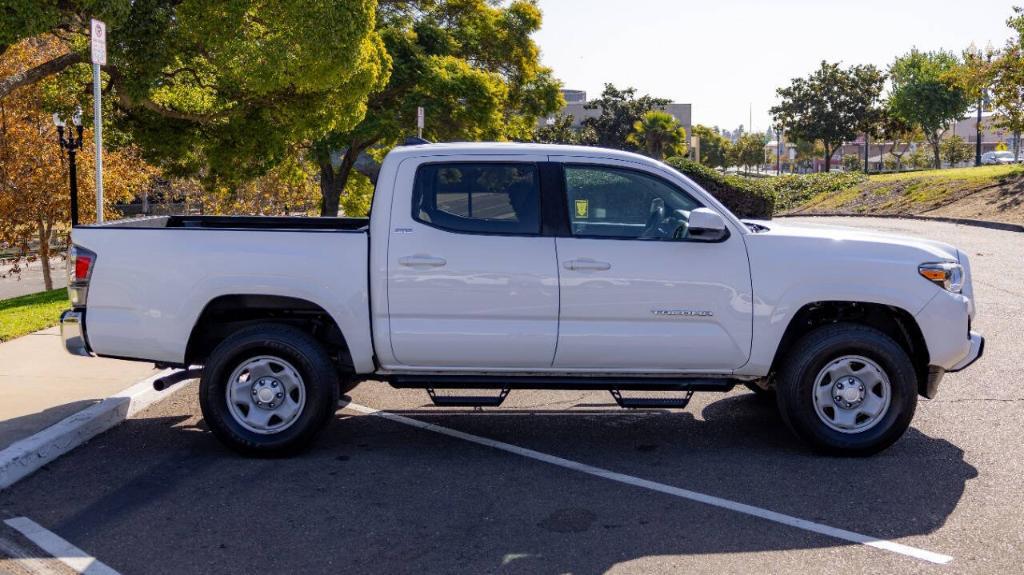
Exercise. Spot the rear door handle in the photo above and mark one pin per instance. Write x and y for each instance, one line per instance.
(422, 261)
(587, 264)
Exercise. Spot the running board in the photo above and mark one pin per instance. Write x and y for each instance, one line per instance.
(467, 400)
(581, 382)
(651, 402)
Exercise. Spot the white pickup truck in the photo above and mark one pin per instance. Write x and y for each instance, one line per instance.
(522, 266)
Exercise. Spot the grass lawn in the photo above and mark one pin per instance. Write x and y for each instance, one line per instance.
(968, 174)
(28, 313)
(994, 193)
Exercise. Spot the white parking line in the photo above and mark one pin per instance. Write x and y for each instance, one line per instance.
(782, 518)
(61, 550)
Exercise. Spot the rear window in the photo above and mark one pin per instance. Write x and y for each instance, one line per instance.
(496, 198)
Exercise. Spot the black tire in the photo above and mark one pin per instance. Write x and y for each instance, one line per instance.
(318, 378)
(811, 354)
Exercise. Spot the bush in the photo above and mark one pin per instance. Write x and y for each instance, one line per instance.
(852, 163)
(745, 197)
(793, 190)
(921, 158)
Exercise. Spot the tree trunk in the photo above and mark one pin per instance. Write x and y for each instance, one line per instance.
(937, 154)
(828, 158)
(332, 182)
(44, 254)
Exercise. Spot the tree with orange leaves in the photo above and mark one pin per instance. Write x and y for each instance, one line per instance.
(34, 192)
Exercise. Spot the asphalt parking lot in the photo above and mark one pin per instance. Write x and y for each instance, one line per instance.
(160, 495)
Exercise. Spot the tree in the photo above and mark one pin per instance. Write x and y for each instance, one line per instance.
(955, 150)
(619, 111)
(470, 63)
(1008, 82)
(222, 88)
(807, 151)
(34, 196)
(851, 163)
(659, 135)
(925, 94)
(832, 105)
(713, 146)
(899, 133)
(560, 130)
(748, 151)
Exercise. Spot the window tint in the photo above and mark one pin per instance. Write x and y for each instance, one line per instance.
(610, 202)
(478, 197)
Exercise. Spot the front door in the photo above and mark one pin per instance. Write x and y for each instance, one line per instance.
(636, 293)
(471, 280)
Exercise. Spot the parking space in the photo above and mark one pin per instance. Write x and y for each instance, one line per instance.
(161, 495)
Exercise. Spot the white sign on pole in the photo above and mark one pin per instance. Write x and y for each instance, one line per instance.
(419, 121)
(98, 35)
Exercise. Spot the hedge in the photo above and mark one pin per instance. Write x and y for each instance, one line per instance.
(745, 197)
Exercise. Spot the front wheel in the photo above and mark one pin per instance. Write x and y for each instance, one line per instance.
(847, 389)
(268, 390)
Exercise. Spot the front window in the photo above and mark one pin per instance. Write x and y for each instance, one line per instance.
(620, 203)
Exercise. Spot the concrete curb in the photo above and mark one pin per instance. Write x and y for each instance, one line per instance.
(962, 221)
(26, 456)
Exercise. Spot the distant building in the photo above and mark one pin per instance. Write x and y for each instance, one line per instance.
(574, 96)
(575, 100)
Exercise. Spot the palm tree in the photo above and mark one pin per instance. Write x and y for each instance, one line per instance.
(658, 134)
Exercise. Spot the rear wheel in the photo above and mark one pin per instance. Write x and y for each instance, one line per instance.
(268, 390)
(847, 389)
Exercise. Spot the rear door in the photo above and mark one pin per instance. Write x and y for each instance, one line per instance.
(636, 294)
(472, 282)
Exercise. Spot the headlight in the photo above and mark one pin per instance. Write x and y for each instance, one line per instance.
(947, 275)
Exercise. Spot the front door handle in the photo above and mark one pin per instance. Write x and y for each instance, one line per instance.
(587, 264)
(419, 261)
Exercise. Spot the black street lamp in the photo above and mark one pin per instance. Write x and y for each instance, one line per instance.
(976, 53)
(778, 150)
(72, 143)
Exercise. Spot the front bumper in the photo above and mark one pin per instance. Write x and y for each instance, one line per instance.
(72, 333)
(977, 350)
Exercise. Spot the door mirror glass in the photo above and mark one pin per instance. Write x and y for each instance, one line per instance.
(706, 225)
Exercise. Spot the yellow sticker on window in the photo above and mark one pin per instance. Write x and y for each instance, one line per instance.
(582, 208)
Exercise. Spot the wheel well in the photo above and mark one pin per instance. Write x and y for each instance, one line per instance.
(227, 314)
(895, 322)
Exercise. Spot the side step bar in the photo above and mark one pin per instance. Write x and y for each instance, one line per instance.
(467, 400)
(651, 402)
(584, 383)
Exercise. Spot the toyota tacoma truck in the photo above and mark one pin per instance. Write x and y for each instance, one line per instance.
(501, 267)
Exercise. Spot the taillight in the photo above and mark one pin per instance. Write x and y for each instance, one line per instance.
(80, 264)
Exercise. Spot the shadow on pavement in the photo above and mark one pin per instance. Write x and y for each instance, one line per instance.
(18, 428)
(162, 495)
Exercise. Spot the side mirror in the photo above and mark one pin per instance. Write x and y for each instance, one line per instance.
(706, 225)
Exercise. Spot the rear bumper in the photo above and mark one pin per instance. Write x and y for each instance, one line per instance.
(977, 350)
(72, 333)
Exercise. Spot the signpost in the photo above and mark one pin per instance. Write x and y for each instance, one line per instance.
(419, 122)
(98, 36)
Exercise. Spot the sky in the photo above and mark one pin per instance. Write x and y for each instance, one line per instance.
(722, 56)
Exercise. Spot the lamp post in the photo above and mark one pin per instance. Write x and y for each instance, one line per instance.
(72, 143)
(976, 53)
(778, 150)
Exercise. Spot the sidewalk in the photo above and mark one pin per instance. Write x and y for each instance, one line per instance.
(44, 384)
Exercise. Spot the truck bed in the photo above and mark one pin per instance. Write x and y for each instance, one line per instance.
(295, 223)
(153, 277)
